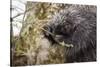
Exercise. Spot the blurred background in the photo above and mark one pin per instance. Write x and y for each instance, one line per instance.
(17, 13)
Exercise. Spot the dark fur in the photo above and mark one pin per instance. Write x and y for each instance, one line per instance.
(75, 25)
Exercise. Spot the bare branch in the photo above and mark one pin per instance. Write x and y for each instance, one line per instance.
(17, 7)
(17, 15)
(22, 13)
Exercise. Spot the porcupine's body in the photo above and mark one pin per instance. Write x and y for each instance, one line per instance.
(77, 26)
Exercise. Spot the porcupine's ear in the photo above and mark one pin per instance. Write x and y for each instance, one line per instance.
(68, 27)
(77, 22)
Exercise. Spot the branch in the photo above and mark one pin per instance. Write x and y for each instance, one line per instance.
(14, 6)
(17, 15)
(22, 13)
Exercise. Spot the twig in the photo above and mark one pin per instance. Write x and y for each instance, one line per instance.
(17, 15)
